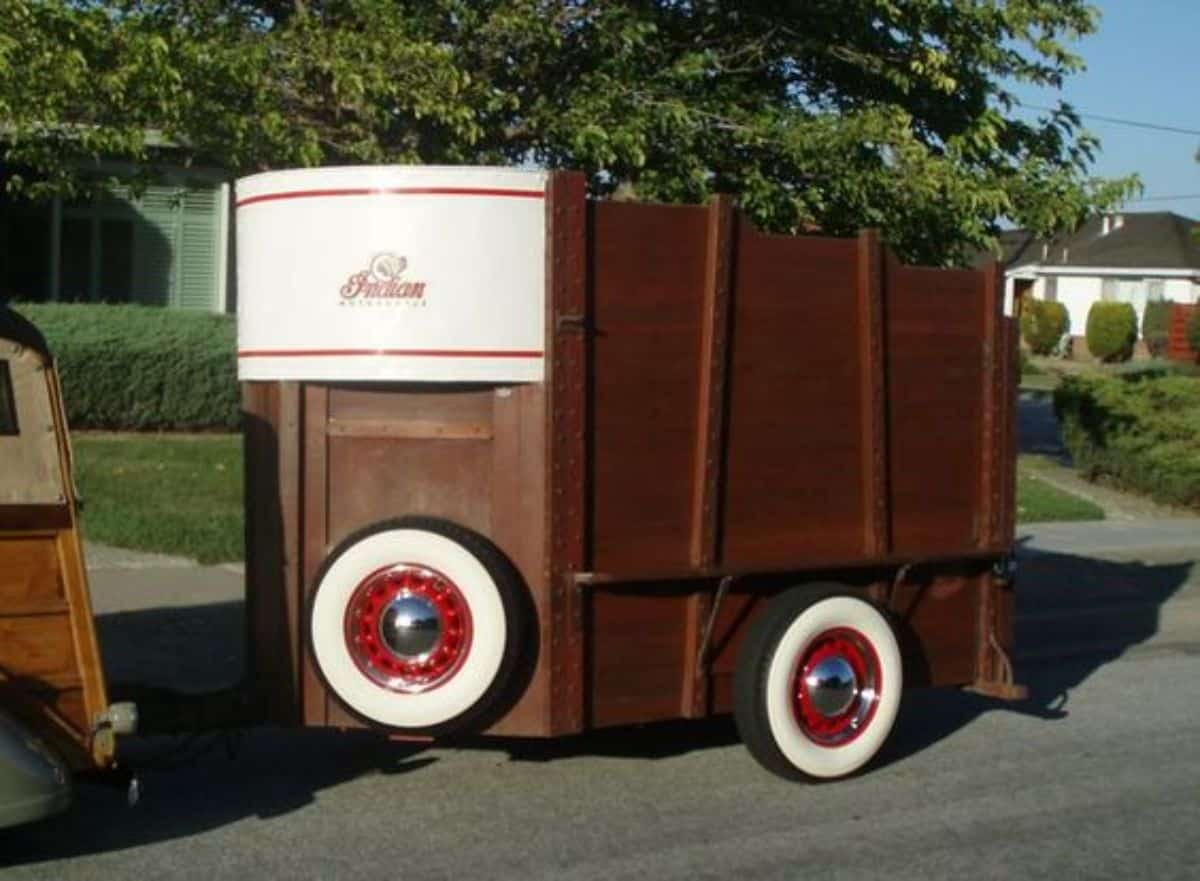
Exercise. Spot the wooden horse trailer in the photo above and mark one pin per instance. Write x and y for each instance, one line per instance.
(525, 463)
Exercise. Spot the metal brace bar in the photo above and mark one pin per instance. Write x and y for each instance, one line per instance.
(722, 590)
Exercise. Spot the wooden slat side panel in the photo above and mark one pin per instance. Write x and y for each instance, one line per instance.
(273, 643)
(937, 623)
(795, 447)
(648, 267)
(518, 529)
(30, 574)
(935, 362)
(436, 471)
(40, 648)
(411, 403)
(450, 479)
(637, 657)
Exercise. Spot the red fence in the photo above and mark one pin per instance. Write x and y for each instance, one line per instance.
(1178, 348)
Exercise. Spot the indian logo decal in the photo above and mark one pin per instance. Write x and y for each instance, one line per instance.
(383, 283)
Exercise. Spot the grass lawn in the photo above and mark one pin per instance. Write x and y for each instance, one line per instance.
(174, 494)
(182, 494)
(1038, 501)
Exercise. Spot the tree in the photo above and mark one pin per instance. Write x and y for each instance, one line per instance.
(831, 114)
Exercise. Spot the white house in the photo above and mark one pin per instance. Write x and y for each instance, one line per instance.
(1127, 258)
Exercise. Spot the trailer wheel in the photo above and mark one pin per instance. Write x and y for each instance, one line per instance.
(417, 624)
(817, 684)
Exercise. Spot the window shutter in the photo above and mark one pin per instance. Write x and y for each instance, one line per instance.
(154, 242)
(198, 251)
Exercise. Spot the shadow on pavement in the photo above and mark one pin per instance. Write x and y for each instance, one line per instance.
(1075, 615)
(190, 786)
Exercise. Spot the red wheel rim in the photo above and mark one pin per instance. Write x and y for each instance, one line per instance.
(384, 597)
(836, 687)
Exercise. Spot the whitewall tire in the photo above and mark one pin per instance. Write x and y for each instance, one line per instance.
(417, 624)
(818, 684)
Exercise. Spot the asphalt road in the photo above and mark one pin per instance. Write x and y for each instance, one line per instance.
(1097, 776)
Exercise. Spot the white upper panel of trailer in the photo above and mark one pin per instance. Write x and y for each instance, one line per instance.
(391, 273)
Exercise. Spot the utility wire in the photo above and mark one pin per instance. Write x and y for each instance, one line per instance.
(1115, 120)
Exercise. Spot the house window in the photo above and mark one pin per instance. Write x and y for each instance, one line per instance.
(8, 407)
(1051, 289)
(1108, 290)
(165, 247)
(24, 250)
(1155, 290)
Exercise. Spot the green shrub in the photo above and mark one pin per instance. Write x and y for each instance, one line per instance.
(1141, 432)
(1111, 331)
(1043, 324)
(1156, 325)
(142, 367)
(1193, 331)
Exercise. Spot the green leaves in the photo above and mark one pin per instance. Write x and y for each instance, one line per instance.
(832, 114)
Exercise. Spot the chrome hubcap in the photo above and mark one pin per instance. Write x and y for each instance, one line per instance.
(836, 687)
(831, 686)
(410, 626)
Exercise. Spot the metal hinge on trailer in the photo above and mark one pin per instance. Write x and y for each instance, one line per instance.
(574, 322)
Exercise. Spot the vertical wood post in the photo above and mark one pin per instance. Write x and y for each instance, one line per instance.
(708, 468)
(713, 382)
(567, 323)
(992, 378)
(315, 533)
(872, 395)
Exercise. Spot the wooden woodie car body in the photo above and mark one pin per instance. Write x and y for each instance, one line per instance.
(51, 676)
(708, 417)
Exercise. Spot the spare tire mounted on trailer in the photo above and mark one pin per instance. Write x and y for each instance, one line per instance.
(418, 624)
(818, 682)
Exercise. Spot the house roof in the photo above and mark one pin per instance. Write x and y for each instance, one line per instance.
(1158, 240)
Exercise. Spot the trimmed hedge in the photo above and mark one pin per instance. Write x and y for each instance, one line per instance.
(1141, 432)
(1111, 331)
(1156, 325)
(139, 368)
(1043, 324)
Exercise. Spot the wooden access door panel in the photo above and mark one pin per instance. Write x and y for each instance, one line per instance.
(935, 359)
(647, 276)
(795, 444)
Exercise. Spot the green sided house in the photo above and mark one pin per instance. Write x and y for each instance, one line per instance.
(168, 246)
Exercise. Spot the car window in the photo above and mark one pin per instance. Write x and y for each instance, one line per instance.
(8, 408)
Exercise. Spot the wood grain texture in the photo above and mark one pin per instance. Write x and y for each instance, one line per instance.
(794, 484)
(716, 401)
(935, 360)
(569, 319)
(648, 281)
(712, 382)
(314, 537)
(877, 540)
